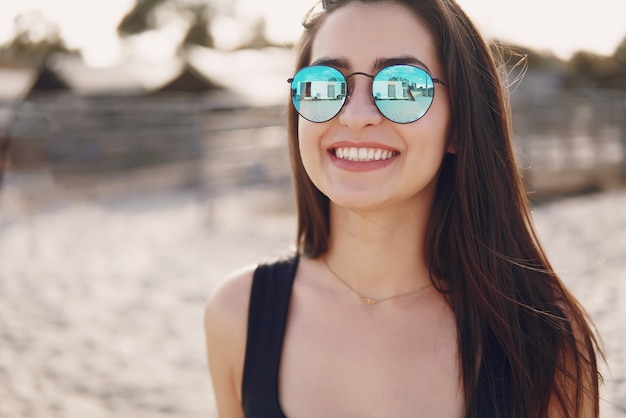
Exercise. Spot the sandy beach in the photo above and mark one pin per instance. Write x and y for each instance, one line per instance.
(101, 298)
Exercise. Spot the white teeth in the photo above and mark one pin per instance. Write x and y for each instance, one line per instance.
(363, 154)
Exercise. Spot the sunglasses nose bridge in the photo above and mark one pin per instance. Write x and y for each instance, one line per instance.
(351, 87)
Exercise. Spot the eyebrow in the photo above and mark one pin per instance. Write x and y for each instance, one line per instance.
(339, 63)
(379, 63)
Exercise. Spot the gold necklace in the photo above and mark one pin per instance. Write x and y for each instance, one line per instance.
(366, 299)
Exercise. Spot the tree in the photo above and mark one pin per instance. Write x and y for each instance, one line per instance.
(35, 37)
(143, 17)
(586, 69)
(199, 33)
(140, 18)
(620, 54)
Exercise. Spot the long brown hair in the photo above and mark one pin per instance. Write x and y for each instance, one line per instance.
(481, 246)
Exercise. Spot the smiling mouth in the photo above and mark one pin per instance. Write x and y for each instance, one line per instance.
(363, 154)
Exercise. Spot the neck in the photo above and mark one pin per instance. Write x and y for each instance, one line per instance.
(379, 254)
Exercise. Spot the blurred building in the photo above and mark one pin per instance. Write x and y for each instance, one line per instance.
(84, 122)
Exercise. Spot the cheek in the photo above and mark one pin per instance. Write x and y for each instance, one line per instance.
(441, 124)
(428, 139)
(309, 141)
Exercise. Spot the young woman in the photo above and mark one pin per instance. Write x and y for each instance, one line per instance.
(419, 288)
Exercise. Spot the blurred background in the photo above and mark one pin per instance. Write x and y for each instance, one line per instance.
(143, 156)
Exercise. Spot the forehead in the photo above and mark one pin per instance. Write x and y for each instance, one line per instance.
(362, 33)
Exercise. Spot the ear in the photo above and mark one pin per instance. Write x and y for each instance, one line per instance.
(452, 141)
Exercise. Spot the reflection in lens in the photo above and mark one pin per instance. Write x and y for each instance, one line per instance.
(318, 92)
(403, 93)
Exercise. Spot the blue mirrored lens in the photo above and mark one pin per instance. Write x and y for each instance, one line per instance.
(403, 93)
(318, 92)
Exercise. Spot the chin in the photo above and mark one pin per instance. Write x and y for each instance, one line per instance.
(361, 202)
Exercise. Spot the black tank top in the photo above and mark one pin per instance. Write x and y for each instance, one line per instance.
(267, 319)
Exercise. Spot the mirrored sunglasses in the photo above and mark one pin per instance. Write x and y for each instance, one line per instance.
(402, 93)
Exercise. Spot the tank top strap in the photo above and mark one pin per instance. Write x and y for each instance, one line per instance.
(267, 318)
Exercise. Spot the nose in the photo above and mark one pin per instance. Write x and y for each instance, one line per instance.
(360, 111)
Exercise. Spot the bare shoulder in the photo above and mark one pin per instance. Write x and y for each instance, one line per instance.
(227, 305)
(225, 325)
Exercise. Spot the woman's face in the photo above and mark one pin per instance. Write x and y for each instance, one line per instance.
(355, 38)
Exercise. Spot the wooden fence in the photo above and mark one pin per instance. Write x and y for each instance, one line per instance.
(192, 139)
(571, 143)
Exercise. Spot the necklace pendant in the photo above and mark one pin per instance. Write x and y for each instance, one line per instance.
(369, 301)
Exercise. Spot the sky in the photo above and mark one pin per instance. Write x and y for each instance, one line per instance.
(560, 26)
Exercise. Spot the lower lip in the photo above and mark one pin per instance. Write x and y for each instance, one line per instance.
(360, 166)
